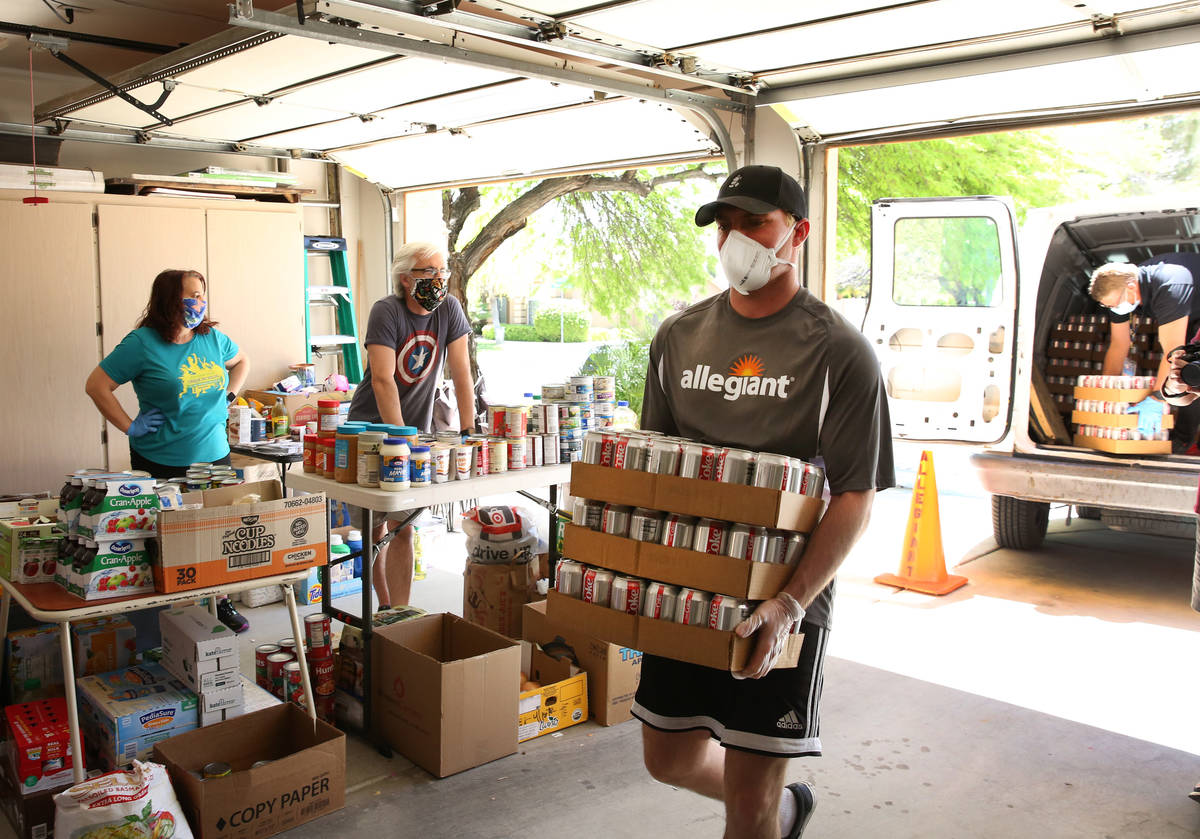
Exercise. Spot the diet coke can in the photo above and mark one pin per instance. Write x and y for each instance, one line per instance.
(588, 513)
(593, 445)
(735, 466)
(776, 551)
(645, 525)
(632, 452)
(725, 612)
(597, 586)
(663, 458)
(746, 542)
(614, 519)
(796, 542)
(692, 608)
(678, 531)
(659, 601)
(771, 471)
(626, 595)
(697, 461)
(568, 578)
(710, 537)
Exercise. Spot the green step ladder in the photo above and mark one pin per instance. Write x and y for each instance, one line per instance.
(339, 297)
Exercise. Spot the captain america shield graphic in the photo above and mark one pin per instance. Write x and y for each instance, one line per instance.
(416, 358)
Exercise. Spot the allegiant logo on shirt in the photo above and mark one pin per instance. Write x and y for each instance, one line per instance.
(745, 378)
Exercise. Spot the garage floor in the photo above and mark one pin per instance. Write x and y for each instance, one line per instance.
(1054, 696)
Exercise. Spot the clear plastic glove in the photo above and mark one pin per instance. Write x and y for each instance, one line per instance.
(773, 620)
(1150, 414)
(147, 422)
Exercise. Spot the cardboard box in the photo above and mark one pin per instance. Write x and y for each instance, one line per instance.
(28, 551)
(494, 594)
(198, 635)
(699, 645)
(129, 510)
(560, 702)
(31, 816)
(127, 704)
(1124, 446)
(228, 697)
(226, 542)
(305, 779)
(103, 644)
(251, 469)
(1111, 394)
(613, 671)
(301, 407)
(39, 745)
(120, 568)
(445, 692)
(34, 664)
(729, 502)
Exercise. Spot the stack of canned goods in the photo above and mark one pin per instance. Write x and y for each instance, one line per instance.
(1099, 406)
(648, 451)
(704, 535)
(1113, 432)
(1116, 382)
(1087, 346)
(207, 476)
(649, 598)
(277, 669)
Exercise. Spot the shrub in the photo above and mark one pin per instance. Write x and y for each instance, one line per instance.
(489, 331)
(574, 324)
(520, 332)
(626, 361)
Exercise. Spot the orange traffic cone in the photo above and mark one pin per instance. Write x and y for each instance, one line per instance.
(922, 561)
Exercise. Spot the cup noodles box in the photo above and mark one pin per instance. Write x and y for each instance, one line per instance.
(242, 532)
(128, 509)
(28, 549)
(125, 706)
(39, 739)
(118, 569)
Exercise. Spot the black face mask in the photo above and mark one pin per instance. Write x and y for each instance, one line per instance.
(429, 292)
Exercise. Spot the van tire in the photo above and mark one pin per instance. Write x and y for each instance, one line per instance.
(1092, 513)
(1153, 524)
(1018, 524)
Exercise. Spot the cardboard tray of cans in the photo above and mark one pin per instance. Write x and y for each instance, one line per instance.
(678, 566)
(695, 497)
(716, 648)
(1115, 420)
(1124, 446)
(1112, 394)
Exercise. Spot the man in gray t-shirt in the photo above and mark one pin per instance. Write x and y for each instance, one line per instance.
(768, 367)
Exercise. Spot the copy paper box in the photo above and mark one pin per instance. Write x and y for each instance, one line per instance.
(560, 702)
(444, 692)
(494, 593)
(224, 542)
(305, 779)
(613, 671)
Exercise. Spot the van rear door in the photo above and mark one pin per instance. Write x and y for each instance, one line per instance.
(942, 315)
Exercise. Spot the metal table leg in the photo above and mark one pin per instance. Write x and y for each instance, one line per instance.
(68, 664)
(290, 596)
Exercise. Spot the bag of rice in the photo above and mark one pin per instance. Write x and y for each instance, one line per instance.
(138, 803)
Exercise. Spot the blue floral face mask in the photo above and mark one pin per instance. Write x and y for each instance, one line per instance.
(193, 312)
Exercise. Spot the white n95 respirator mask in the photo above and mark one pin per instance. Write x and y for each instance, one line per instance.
(746, 263)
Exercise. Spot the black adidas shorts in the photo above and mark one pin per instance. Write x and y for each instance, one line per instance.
(777, 715)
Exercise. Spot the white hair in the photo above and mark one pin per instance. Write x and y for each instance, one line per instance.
(408, 255)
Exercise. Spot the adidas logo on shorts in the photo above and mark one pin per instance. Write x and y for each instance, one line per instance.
(790, 720)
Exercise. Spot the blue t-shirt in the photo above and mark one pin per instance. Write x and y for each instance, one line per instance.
(187, 383)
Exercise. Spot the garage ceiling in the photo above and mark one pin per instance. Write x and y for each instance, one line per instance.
(421, 93)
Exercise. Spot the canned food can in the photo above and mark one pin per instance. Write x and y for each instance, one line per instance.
(626, 595)
(549, 419)
(580, 389)
(663, 457)
(645, 525)
(550, 449)
(812, 480)
(597, 586)
(726, 612)
(771, 471)
(710, 537)
(497, 456)
(287, 645)
(735, 466)
(553, 393)
(678, 531)
(293, 683)
(517, 452)
(776, 551)
(568, 415)
(614, 519)
(261, 652)
(593, 445)
(317, 635)
(496, 420)
(324, 677)
(795, 467)
(516, 421)
(568, 578)
(483, 458)
(660, 601)
(537, 419)
(692, 608)
(796, 543)
(535, 452)
(216, 769)
(604, 388)
(275, 663)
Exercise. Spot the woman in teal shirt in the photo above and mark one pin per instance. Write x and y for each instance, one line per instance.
(185, 373)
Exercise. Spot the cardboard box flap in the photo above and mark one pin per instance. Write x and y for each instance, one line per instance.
(465, 640)
(614, 552)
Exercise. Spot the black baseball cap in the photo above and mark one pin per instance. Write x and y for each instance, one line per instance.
(757, 189)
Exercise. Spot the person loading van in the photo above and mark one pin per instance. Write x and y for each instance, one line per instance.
(1162, 287)
(184, 372)
(409, 335)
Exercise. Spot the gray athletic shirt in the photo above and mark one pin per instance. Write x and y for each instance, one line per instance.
(419, 342)
(802, 382)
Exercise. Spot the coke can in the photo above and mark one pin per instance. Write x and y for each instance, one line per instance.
(678, 531)
(692, 608)
(659, 601)
(568, 578)
(735, 466)
(645, 525)
(776, 551)
(593, 445)
(626, 595)
(663, 457)
(597, 586)
(614, 519)
(275, 662)
(796, 542)
(771, 471)
(317, 635)
(725, 612)
(261, 678)
(710, 537)
(691, 459)
(293, 683)
(637, 453)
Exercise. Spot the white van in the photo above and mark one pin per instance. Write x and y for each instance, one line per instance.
(960, 314)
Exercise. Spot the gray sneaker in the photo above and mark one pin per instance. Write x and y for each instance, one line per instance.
(806, 803)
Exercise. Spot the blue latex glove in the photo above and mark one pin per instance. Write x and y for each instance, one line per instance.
(147, 422)
(1150, 414)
